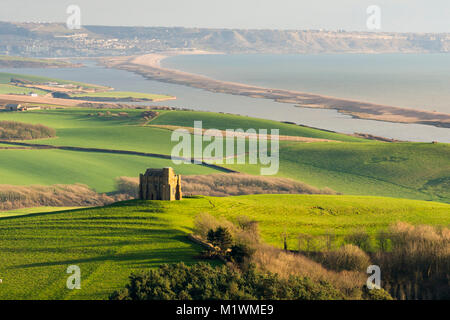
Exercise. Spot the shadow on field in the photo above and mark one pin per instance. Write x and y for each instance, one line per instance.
(39, 214)
(142, 259)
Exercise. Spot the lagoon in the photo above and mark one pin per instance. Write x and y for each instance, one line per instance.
(254, 69)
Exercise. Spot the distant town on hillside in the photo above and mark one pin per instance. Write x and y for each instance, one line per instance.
(56, 40)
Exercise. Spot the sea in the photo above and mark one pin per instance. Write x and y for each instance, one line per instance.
(419, 81)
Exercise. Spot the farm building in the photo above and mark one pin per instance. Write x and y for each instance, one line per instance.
(160, 184)
(19, 107)
(15, 107)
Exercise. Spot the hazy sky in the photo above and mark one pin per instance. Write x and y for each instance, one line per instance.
(396, 15)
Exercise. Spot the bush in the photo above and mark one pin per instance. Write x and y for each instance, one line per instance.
(61, 95)
(127, 186)
(376, 294)
(226, 184)
(308, 243)
(232, 184)
(204, 282)
(221, 238)
(361, 239)
(416, 262)
(348, 257)
(12, 130)
(248, 231)
(72, 195)
(288, 264)
(240, 254)
(204, 222)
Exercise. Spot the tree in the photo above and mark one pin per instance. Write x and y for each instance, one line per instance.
(240, 253)
(211, 237)
(221, 238)
(202, 281)
(61, 95)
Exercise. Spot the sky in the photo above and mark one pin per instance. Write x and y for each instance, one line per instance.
(350, 15)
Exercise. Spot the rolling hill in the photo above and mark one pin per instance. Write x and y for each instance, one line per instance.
(109, 243)
(349, 165)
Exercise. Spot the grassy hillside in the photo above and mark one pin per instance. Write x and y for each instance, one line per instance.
(97, 170)
(106, 243)
(76, 128)
(102, 92)
(408, 170)
(10, 89)
(6, 78)
(219, 121)
(318, 214)
(73, 118)
(111, 242)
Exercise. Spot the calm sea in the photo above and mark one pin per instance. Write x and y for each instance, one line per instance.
(419, 81)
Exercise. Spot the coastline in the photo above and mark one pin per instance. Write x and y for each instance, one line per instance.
(50, 63)
(150, 67)
(15, 98)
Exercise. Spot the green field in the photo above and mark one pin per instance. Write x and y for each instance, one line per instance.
(10, 89)
(76, 128)
(211, 120)
(103, 92)
(111, 242)
(407, 170)
(122, 95)
(97, 170)
(318, 214)
(351, 166)
(107, 244)
(5, 78)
